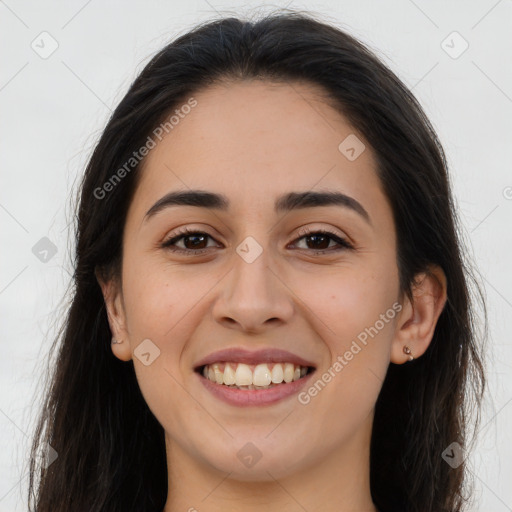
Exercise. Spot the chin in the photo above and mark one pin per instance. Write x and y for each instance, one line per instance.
(252, 464)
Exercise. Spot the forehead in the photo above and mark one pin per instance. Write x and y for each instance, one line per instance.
(253, 141)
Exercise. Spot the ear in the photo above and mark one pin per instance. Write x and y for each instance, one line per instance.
(113, 296)
(418, 319)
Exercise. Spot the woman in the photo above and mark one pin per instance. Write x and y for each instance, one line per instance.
(271, 306)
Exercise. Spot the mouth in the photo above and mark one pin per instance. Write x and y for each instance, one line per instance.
(243, 385)
(244, 378)
(247, 377)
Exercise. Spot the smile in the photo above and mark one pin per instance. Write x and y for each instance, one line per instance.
(237, 383)
(254, 376)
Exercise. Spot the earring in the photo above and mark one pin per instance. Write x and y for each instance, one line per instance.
(114, 341)
(407, 351)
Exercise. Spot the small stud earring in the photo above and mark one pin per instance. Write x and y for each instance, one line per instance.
(407, 351)
(114, 341)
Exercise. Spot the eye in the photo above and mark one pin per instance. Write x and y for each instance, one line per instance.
(321, 238)
(196, 242)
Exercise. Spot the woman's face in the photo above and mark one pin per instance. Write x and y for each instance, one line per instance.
(251, 278)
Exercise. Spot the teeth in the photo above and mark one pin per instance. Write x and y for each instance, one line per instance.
(243, 375)
(277, 374)
(218, 374)
(288, 372)
(229, 375)
(260, 376)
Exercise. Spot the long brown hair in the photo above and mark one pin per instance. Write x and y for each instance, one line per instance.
(111, 451)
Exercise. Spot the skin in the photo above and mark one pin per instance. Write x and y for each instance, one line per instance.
(254, 141)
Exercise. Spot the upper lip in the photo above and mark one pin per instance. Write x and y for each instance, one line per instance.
(241, 355)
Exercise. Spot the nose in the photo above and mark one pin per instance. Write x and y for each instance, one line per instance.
(254, 296)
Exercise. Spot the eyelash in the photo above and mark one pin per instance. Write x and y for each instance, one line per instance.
(344, 245)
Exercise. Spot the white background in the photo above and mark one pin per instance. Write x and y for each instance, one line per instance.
(53, 110)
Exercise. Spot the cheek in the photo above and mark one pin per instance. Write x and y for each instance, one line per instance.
(160, 306)
(348, 302)
(344, 391)
(353, 312)
(156, 299)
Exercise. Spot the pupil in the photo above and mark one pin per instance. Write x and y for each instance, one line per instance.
(316, 240)
(195, 244)
(316, 237)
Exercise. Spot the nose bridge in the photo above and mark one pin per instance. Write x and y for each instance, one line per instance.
(253, 293)
(252, 277)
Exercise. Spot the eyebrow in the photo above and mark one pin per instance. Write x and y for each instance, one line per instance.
(285, 203)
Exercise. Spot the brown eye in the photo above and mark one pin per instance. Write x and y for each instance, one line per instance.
(196, 242)
(319, 241)
(193, 242)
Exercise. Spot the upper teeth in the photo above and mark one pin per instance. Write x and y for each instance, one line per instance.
(263, 374)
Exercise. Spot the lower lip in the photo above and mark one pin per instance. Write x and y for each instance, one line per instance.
(246, 397)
